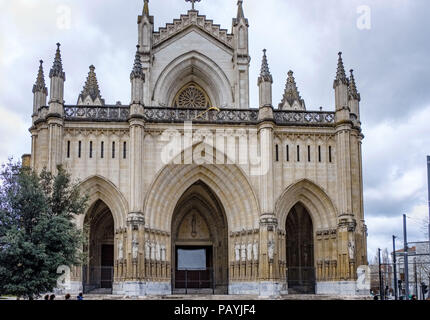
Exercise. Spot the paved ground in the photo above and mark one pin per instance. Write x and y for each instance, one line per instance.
(211, 297)
(219, 297)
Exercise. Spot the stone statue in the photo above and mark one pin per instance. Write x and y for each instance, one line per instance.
(249, 251)
(193, 226)
(255, 250)
(351, 249)
(152, 250)
(147, 250)
(135, 248)
(271, 249)
(163, 253)
(243, 251)
(237, 251)
(120, 250)
(157, 252)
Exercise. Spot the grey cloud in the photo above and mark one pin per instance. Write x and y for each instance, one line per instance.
(391, 63)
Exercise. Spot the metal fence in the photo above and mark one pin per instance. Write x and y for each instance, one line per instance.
(94, 278)
(301, 279)
(193, 280)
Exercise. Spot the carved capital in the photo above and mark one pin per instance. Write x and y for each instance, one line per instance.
(135, 219)
(269, 220)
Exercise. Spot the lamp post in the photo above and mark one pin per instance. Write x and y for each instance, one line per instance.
(381, 286)
(406, 260)
(396, 296)
(428, 186)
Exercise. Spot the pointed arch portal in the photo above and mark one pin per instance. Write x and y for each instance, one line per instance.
(300, 251)
(199, 242)
(99, 249)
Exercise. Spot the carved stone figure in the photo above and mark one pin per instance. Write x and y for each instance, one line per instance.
(255, 250)
(135, 248)
(249, 251)
(237, 251)
(120, 250)
(147, 250)
(271, 249)
(243, 251)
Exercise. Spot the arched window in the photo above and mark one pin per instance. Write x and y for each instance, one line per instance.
(192, 96)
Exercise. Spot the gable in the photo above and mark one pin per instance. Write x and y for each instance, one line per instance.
(193, 19)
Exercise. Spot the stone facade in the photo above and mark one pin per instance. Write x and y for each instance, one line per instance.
(236, 207)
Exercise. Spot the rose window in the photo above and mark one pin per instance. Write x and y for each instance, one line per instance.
(192, 96)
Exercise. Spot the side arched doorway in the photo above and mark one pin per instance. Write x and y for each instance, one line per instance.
(199, 243)
(300, 251)
(99, 250)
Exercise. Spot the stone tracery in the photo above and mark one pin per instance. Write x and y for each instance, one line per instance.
(192, 96)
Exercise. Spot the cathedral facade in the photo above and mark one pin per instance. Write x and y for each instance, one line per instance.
(192, 190)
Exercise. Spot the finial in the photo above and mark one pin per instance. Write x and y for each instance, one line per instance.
(353, 92)
(91, 87)
(40, 85)
(340, 73)
(57, 68)
(192, 3)
(240, 13)
(137, 71)
(146, 7)
(291, 92)
(265, 71)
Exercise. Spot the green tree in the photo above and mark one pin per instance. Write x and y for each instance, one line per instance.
(37, 229)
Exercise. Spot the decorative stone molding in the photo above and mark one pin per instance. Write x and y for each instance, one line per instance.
(91, 113)
(192, 18)
(179, 115)
(135, 219)
(268, 220)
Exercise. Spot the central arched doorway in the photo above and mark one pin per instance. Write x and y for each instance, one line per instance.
(199, 243)
(99, 250)
(300, 251)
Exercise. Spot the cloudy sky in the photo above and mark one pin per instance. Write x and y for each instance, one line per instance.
(391, 62)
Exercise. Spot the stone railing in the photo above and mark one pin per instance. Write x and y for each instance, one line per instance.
(179, 115)
(283, 117)
(95, 113)
(232, 116)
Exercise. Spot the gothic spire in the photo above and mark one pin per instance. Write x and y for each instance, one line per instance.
(137, 71)
(291, 93)
(340, 73)
(265, 72)
(91, 88)
(57, 68)
(240, 14)
(146, 8)
(353, 92)
(40, 85)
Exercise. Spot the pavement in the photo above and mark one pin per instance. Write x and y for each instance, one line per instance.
(298, 297)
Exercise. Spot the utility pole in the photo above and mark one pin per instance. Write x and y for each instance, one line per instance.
(381, 286)
(428, 186)
(396, 296)
(406, 261)
(416, 277)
